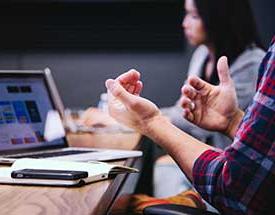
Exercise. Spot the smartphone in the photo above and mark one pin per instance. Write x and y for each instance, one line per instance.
(49, 174)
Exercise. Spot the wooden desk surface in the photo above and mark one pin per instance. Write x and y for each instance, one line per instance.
(95, 198)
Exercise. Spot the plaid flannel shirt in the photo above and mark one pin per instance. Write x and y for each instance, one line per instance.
(241, 179)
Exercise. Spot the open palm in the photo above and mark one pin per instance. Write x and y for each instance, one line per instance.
(125, 104)
(210, 107)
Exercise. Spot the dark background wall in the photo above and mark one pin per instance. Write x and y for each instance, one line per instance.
(86, 42)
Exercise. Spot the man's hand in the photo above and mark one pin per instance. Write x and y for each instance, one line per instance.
(125, 104)
(127, 107)
(212, 107)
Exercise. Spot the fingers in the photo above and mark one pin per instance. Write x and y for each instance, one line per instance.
(129, 87)
(188, 96)
(134, 88)
(130, 81)
(197, 83)
(118, 91)
(223, 70)
(188, 91)
(138, 88)
(187, 114)
(188, 102)
(125, 86)
(130, 77)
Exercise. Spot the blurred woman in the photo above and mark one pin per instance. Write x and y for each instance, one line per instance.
(216, 28)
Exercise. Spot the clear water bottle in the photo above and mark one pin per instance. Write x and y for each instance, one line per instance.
(103, 102)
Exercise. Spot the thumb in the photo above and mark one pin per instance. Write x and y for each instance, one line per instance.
(223, 70)
(118, 91)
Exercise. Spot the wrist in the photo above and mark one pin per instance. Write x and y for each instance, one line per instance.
(184, 148)
(234, 123)
(152, 125)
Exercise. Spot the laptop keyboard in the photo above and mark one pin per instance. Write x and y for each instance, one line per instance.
(52, 154)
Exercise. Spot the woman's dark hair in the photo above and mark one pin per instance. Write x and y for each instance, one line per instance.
(230, 27)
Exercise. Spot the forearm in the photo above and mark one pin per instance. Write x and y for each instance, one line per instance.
(182, 147)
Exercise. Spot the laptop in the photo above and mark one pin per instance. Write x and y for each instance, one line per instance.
(26, 98)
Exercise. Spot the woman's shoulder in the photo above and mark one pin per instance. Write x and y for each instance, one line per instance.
(197, 60)
(200, 52)
(251, 56)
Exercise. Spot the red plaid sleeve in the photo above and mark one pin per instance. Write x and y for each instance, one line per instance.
(241, 179)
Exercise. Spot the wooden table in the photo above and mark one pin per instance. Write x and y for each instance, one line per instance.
(104, 197)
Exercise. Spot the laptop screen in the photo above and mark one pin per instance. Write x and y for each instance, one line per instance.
(24, 103)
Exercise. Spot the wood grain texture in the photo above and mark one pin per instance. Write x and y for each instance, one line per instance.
(103, 140)
(95, 198)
